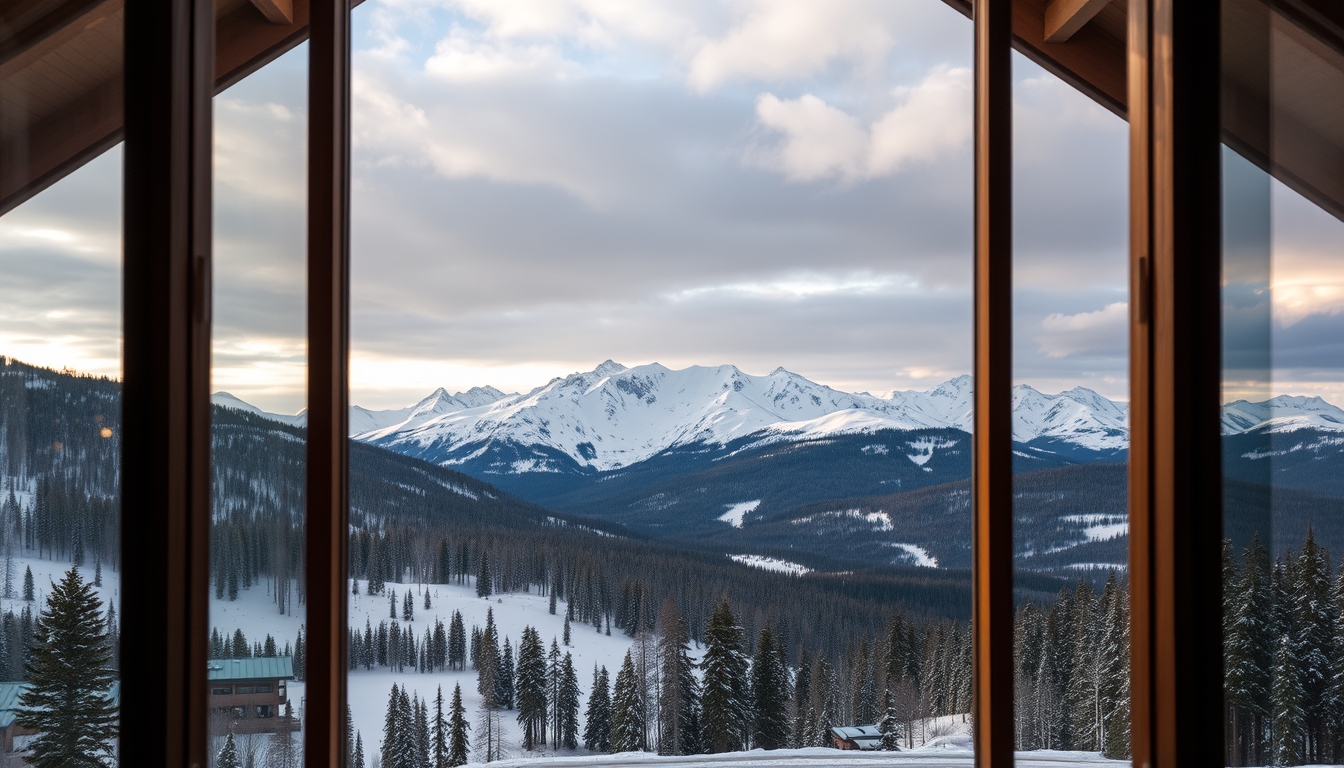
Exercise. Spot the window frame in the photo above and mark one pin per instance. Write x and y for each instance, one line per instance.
(1174, 493)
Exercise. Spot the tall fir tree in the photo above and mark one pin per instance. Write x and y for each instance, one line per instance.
(769, 694)
(459, 745)
(597, 718)
(483, 587)
(678, 688)
(725, 707)
(67, 705)
(627, 710)
(530, 688)
(1248, 651)
(890, 723)
(228, 756)
(568, 704)
(1286, 700)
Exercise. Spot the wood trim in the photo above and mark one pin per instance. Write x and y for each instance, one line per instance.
(1065, 17)
(1175, 475)
(276, 11)
(1092, 61)
(992, 449)
(166, 393)
(328, 360)
(67, 21)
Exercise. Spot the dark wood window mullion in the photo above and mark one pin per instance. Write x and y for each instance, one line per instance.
(992, 478)
(328, 359)
(165, 482)
(1175, 486)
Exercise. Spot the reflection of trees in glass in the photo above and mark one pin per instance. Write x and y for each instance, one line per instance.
(1284, 656)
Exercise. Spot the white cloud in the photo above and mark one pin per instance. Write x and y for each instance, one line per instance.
(819, 141)
(775, 39)
(1103, 330)
(461, 57)
(805, 286)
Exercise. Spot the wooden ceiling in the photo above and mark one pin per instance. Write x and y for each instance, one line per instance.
(61, 85)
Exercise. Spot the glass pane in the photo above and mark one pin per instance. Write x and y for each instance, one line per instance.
(1283, 382)
(1071, 430)
(258, 377)
(60, 393)
(661, 343)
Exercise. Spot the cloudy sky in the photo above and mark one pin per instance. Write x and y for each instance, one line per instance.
(544, 184)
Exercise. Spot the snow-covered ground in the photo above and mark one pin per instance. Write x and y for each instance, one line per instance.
(738, 512)
(772, 564)
(944, 741)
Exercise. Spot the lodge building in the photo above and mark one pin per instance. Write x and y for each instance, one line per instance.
(252, 693)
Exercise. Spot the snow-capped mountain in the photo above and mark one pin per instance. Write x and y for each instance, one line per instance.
(615, 416)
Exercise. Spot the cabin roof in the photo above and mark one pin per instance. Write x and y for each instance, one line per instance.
(258, 668)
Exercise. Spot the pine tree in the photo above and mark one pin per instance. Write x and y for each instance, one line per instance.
(565, 635)
(483, 576)
(890, 723)
(422, 742)
(769, 695)
(679, 691)
(357, 761)
(458, 743)
(568, 704)
(597, 718)
(228, 756)
(392, 603)
(506, 674)
(440, 735)
(98, 574)
(28, 583)
(530, 688)
(553, 680)
(1287, 705)
(1248, 650)
(408, 608)
(457, 642)
(724, 705)
(70, 673)
(427, 603)
(802, 690)
(627, 715)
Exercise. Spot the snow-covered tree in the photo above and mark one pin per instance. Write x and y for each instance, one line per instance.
(890, 723)
(769, 694)
(458, 742)
(628, 715)
(530, 688)
(597, 718)
(568, 704)
(725, 706)
(67, 705)
(228, 756)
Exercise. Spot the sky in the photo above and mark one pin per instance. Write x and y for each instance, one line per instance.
(540, 185)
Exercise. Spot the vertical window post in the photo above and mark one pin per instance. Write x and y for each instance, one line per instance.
(992, 469)
(328, 352)
(165, 482)
(1175, 464)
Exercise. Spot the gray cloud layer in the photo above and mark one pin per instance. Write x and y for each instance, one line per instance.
(754, 183)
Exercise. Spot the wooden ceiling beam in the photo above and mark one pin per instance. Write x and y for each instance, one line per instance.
(1065, 17)
(276, 11)
(1092, 61)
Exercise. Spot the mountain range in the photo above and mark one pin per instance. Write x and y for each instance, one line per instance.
(782, 465)
(613, 416)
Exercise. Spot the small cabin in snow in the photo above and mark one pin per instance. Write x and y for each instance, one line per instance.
(865, 737)
(252, 692)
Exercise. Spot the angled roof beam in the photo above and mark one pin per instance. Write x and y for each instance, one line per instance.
(276, 11)
(1065, 17)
